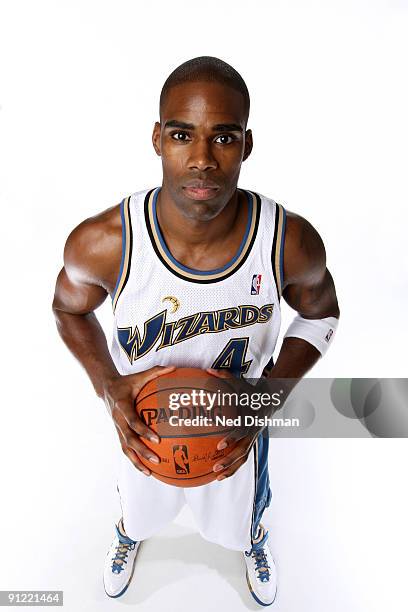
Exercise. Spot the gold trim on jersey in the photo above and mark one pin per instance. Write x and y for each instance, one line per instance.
(189, 274)
(126, 248)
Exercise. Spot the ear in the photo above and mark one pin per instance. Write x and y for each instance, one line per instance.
(156, 138)
(248, 144)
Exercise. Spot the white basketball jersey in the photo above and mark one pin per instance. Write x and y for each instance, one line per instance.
(168, 314)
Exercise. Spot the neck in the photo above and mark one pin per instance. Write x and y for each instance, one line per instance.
(192, 232)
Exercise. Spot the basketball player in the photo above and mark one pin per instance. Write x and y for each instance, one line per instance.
(197, 246)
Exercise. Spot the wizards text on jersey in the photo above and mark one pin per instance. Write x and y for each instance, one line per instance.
(161, 334)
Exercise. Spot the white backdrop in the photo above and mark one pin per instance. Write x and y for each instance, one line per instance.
(79, 90)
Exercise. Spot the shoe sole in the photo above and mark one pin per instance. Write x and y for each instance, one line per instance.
(261, 603)
(128, 582)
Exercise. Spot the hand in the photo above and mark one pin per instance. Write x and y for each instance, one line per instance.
(119, 394)
(236, 457)
(243, 436)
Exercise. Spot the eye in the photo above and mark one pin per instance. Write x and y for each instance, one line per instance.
(179, 139)
(226, 136)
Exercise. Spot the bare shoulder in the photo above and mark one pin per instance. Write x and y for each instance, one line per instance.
(93, 249)
(304, 253)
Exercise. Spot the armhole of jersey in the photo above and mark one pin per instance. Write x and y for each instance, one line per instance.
(278, 246)
(268, 367)
(126, 251)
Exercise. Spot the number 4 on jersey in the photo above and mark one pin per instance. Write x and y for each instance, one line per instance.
(232, 357)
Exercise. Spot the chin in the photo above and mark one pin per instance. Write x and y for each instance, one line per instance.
(204, 213)
(203, 210)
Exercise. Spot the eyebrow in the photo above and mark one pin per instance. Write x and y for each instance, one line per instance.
(219, 127)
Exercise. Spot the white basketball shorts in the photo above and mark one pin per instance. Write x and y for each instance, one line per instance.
(226, 512)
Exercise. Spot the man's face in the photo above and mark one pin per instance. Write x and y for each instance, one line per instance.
(202, 142)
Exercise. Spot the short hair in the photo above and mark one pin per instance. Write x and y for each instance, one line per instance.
(208, 69)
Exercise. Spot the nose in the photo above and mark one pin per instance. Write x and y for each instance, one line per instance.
(201, 156)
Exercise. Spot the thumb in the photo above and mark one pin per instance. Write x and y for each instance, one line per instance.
(219, 373)
(142, 378)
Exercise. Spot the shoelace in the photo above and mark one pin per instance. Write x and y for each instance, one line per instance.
(119, 559)
(261, 564)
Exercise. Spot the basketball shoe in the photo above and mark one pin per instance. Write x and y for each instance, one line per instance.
(120, 563)
(261, 571)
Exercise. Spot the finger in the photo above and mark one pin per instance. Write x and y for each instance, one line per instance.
(140, 427)
(235, 455)
(132, 456)
(232, 438)
(242, 448)
(236, 383)
(135, 443)
(230, 471)
(129, 439)
(127, 410)
(144, 377)
(219, 373)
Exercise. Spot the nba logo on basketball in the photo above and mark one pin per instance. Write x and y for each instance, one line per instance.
(180, 457)
(256, 284)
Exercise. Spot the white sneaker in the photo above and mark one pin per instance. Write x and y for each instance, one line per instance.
(261, 573)
(120, 563)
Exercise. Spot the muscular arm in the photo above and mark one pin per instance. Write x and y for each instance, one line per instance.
(91, 261)
(91, 265)
(309, 289)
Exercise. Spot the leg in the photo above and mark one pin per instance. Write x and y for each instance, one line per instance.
(229, 513)
(260, 566)
(147, 504)
(263, 493)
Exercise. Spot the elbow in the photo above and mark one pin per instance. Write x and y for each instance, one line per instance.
(54, 308)
(335, 311)
(57, 311)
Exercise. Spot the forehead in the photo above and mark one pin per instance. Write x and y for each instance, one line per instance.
(204, 101)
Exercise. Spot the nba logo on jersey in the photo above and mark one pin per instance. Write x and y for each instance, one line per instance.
(256, 284)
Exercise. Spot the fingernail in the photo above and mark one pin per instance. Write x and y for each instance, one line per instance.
(222, 445)
(154, 459)
(218, 468)
(154, 439)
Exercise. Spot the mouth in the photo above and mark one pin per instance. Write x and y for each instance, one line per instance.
(200, 193)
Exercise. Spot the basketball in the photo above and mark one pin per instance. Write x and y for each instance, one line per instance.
(187, 410)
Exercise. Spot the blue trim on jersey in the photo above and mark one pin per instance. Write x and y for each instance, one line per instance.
(282, 245)
(193, 270)
(122, 261)
(263, 494)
